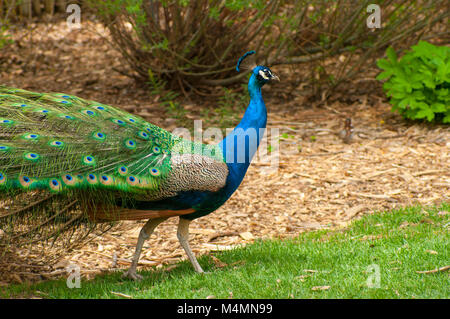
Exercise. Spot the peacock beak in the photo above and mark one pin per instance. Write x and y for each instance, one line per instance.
(275, 77)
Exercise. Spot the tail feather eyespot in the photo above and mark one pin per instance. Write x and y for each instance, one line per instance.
(123, 170)
(19, 105)
(99, 107)
(106, 180)
(25, 181)
(130, 144)
(154, 172)
(2, 178)
(88, 160)
(156, 150)
(66, 116)
(6, 121)
(69, 179)
(31, 136)
(143, 135)
(118, 122)
(40, 110)
(88, 112)
(55, 185)
(56, 143)
(132, 180)
(92, 179)
(99, 136)
(31, 156)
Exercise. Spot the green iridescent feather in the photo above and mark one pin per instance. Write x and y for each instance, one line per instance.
(58, 142)
(58, 146)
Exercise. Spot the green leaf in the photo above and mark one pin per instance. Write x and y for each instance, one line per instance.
(446, 118)
(392, 56)
(425, 114)
(384, 64)
(384, 75)
(438, 107)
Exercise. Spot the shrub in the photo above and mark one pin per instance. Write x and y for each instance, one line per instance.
(194, 44)
(188, 43)
(418, 84)
(5, 38)
(336, 45)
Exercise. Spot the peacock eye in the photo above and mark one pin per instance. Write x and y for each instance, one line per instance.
(155, 172)
(263, 74)
(89, 160)
(133, 181)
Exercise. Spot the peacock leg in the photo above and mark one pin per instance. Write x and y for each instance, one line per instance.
(145, 233)
(183, 237)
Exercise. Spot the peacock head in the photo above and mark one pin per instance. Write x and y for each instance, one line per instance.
(262, 74)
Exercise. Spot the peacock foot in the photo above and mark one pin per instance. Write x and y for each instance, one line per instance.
(131, 274)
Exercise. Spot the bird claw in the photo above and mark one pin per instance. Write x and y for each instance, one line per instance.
(129, 274)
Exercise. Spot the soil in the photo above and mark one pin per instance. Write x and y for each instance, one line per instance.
(322, 180)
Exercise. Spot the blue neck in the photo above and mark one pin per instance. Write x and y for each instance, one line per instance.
(241, 144)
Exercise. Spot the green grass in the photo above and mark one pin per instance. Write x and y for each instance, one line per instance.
(399, 242)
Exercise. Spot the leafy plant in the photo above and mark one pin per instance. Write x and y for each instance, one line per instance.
(334, 42)
(188, 43)
(418, 84)
(228, 108)
(5, 38)
(193, 45)
(175, 110)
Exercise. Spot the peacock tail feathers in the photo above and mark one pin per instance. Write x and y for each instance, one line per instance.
(72, 156)
(59, 142)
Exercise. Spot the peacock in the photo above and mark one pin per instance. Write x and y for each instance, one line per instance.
(71, 155)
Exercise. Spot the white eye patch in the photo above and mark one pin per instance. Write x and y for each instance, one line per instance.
(263, 74)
